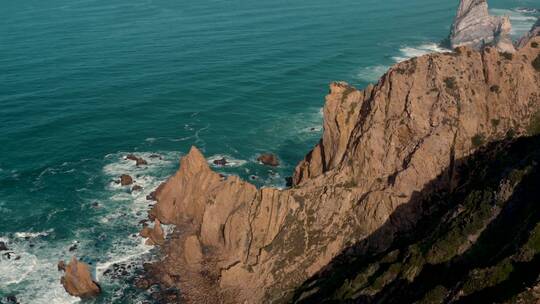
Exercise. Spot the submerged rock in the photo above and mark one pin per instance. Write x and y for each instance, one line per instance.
(77, 280)
(138, 160)
(136, 188)
(220, 162)
(3, 246)
(10, 299)
(268, 159)
(125, 180)
(476, 28)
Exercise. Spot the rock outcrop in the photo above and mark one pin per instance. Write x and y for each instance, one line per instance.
(268, 159)
(475, 27)
(139, 161)
(154, 235)
(479, 243)
(77, 279)
(126, 180)
(380, 148)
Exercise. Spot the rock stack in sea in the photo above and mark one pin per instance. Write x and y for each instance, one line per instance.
(382, 151)
(77, 279)
(476, 28)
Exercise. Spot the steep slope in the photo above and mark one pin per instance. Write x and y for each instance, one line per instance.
(382, 149)
(478, 243)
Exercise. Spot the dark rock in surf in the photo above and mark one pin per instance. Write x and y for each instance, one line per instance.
(221, 162)
(3, 246)
(125, 180)
(138, 160)
(268, 159)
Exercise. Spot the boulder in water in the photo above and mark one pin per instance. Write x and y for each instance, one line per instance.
(138, 160)
(77, 280)
(3, 246)
(221, 162)
(268, 159)
(125, 180)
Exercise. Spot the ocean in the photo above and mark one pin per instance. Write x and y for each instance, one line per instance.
(83, 83)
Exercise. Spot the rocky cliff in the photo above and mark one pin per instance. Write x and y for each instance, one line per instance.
(475, 27)
(476, 243)
(384, 150)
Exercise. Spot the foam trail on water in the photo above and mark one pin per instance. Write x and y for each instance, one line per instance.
(133, 253)
(408, 52)
(373, 73)
(128, 207)
(26, 235)
(34, 277)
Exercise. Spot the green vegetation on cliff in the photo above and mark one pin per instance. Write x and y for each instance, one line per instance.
(476, 243)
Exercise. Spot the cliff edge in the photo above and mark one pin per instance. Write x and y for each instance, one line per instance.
(380, 148)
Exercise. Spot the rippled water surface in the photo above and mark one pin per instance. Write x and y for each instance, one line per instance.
(85, 82)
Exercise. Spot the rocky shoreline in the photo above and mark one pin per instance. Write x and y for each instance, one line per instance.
(234, 243)
(363, 183)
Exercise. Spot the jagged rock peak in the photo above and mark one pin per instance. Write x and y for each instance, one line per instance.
(475, 27)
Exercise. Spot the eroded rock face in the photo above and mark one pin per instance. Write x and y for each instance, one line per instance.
(77, 279)
(474, 27)
(379, 148)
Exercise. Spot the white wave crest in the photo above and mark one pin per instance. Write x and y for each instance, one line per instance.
(408, 52)
(26, 235)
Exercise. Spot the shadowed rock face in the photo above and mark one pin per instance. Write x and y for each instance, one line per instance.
(380, 148)
(77, 280)
(477, 243)
(474, 27)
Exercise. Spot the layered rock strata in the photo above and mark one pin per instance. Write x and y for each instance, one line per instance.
(475, 27)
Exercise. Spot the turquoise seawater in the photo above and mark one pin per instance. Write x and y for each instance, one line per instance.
(85, 82)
